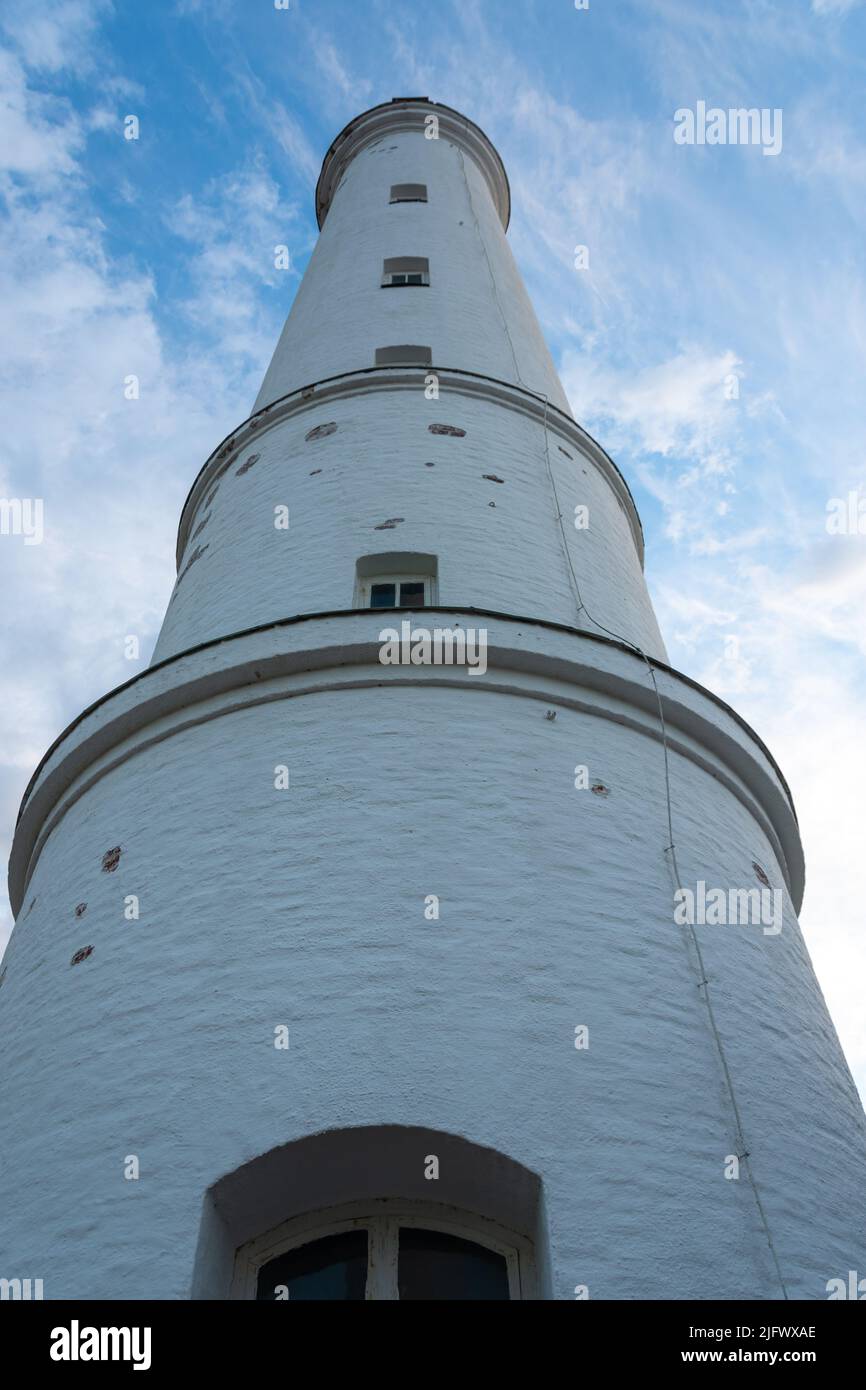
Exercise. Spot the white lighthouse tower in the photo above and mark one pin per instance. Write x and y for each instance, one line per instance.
(343, 978)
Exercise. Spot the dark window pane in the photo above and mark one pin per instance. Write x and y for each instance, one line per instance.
(412, 594)
(332, 1268)
(413, 279)
(383, 596)
(434, 1265)
(409, 193)
(406, 354)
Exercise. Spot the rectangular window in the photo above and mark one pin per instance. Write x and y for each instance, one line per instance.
(412, 592)
(409, 193)
(404, 355)
(396, 579)
(406, 270)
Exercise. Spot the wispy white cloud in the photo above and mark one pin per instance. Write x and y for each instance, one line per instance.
(39, 135)
(292, 140)
(235, 227)
(274, 118)
(832, 7)
(51, 37)
(337, 76)
(678, 406)
(111, 472)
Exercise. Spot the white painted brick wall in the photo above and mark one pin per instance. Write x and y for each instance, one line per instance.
(475, 315)
(508, 557)
(305, 907)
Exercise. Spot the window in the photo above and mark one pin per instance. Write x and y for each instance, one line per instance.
(408, 193)
(396, 579)
(434, 1264)
(385, 1250)
(332, 1268)
(362, 1181)
(406, 270)
(404, 355)
(397, 593)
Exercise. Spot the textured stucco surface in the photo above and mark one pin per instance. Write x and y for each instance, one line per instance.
(305, 907)
(475, 314)
(340, 488)
(569, 668)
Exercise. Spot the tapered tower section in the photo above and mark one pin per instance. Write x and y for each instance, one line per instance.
(311, 947)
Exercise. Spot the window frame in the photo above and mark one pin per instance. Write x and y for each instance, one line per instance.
(382, 1219)
(397, 270)
(416, 199)
(366, 582)
(405, 280)
(421, 355)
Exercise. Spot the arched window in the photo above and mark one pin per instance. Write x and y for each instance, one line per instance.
(354, 1213)
(384, 1250)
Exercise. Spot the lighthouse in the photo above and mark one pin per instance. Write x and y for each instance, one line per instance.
(410, 929)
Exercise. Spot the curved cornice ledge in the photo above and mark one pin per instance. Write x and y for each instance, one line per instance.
(298, 657)
(410, 113)
(453, 379)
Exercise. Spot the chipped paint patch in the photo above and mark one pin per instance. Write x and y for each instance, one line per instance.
(453, 430)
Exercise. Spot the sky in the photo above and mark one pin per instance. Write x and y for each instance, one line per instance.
(712, 338)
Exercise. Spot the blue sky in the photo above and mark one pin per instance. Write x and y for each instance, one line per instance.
(154, 257)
